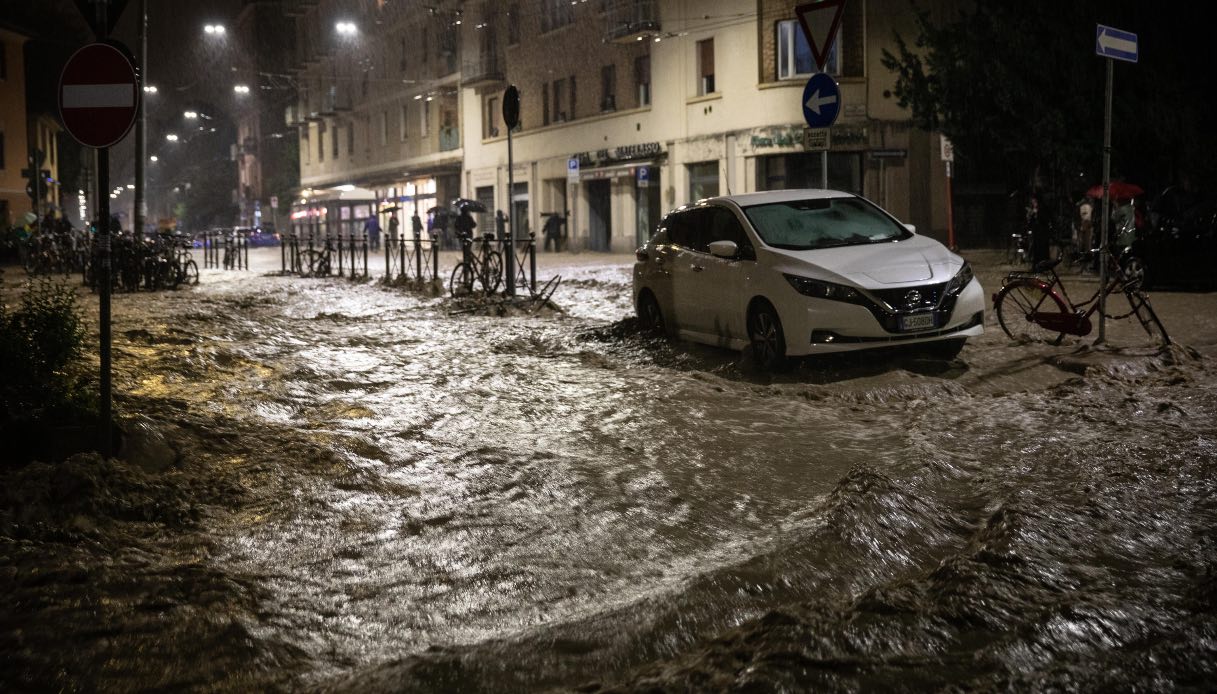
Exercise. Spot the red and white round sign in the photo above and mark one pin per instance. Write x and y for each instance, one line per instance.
(98, 95)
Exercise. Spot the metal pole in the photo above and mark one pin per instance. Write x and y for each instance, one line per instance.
(824, 169)
(950, 213)
(1106, 207)
(141, 133)
(511, 222)
(103, 262)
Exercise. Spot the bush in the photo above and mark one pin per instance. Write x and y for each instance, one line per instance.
(41, 344)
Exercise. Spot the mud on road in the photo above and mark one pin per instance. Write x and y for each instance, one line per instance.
(342, 486)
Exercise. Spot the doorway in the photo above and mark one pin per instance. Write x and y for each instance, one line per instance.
(600, 223)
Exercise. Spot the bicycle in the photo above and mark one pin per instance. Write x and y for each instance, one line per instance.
(484, 267)
(314, 262)
(1036, 306)
(185, 269)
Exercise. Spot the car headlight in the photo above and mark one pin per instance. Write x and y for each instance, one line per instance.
(825, 290)
(960, 280)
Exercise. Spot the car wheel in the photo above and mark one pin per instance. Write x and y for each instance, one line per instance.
(943, 349)
(766, 337)
(649, 313)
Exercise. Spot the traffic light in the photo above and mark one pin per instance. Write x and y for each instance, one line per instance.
(36, 182)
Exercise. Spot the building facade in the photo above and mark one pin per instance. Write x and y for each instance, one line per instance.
(14, 147)
(629, 108)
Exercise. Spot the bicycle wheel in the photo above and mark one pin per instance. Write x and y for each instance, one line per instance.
(189, 273)
(1024, 307)
(461, 284)
(1145, 313)
(309, 260)
(491, 272)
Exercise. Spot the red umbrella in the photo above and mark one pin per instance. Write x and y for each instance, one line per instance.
(1119, 191)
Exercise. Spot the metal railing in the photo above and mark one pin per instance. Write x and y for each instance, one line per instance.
(411, 259)
(228, 250)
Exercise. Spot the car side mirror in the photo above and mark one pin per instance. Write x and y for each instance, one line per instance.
(724, 249)
(911, 227)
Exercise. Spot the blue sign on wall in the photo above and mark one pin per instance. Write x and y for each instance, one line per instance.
(821, 101)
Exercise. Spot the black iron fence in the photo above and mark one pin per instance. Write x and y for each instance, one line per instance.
(225, 249)
(411, 259)
(338, 255)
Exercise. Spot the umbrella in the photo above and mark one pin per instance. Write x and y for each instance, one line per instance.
(467, 205)
(1119, 190)
(390, 208)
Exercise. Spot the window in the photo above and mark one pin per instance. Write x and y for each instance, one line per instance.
(334, 141)
(705, 67)
(351, 140)
(513, 24)
(320, 142)
(556, 14)
(572, 98)
(724, 226)
(794, 54)
(608, 88)
(559, 88)
(304, 146)
(424, 120)
(384, 128)
(642, 77)
(492, 111)
(544, 105)
(703, 180)
(401, 126)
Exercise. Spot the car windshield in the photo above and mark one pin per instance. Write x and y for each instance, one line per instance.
(801, 225)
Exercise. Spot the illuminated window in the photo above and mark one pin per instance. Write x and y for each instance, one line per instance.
(794, 54)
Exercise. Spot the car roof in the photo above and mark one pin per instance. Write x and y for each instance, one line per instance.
(772, 196)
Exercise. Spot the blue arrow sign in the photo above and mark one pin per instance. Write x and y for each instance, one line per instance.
(1114, 43)
(821, 101)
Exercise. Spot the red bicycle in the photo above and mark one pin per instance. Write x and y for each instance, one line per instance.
(1035, 306)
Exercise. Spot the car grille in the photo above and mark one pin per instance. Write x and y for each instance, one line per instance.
(909, 299)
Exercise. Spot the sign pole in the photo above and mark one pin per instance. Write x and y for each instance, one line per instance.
(103, 261)
(950, 213)
(511, 221)
(1103, 252)
(824, 168)
(141, 135)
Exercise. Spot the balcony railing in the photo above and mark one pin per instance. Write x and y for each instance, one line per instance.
(485, 69)
(631, 20)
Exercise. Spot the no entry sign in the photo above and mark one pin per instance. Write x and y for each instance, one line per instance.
(98, 95)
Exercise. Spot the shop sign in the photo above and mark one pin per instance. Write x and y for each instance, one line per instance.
(782, 138)
(846, 136)
(815, 139)
(646, 150)
(597, 174)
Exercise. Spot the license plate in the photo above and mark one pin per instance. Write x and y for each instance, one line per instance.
(921, 321)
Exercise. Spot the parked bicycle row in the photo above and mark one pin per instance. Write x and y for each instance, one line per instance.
(151, 263)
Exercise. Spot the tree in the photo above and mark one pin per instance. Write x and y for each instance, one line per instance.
(1019, 90)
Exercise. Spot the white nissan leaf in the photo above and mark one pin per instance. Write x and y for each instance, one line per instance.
(799, 272)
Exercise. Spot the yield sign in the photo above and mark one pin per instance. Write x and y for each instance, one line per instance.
(88, 8)
(98, 95)
(820, 22)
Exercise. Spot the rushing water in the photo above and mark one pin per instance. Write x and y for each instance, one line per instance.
(350, 487)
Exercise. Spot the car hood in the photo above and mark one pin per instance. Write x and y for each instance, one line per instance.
(918, 260)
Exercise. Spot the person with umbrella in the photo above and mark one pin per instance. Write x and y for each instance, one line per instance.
(371, 227)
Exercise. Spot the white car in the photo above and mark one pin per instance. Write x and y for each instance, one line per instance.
(799, 272)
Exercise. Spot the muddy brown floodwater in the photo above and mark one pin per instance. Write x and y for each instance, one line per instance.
(340, 486)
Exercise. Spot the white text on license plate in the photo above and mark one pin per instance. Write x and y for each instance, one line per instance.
(921, 321)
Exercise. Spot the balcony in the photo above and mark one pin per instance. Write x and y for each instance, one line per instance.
(487, 69)
(631, 20)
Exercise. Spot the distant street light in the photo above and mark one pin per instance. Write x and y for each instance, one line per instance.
(346, 28)
(191, 115)
(241, 89)
(153, 159)
(215, 29)
(171, 137)
(150, 89)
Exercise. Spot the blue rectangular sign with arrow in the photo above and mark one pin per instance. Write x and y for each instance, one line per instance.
(1115, 43)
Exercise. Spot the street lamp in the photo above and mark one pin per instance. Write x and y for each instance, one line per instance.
(190, 115)
(153, 159)
(241, 89)
(215, 29)
(171, 137)
(346, 28)
(149, 89)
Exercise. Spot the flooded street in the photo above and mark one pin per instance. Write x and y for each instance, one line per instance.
(343, 486)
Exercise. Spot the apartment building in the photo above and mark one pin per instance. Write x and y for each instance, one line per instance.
(629, 108)
(14, 149)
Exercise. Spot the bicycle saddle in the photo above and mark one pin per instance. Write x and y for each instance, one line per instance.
(1046, 265)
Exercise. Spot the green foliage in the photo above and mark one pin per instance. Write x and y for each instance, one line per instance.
(41, 344)
(1019, 90)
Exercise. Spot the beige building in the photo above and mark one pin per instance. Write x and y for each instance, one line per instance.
(14, 148)
(629, 108)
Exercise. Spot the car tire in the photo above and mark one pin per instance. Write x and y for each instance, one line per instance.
(650, 316)
(943, 349)
(765, 336)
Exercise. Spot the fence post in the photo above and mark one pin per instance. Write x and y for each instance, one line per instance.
(363, 243)
(434, 258)
(245, 243)
(532, 260)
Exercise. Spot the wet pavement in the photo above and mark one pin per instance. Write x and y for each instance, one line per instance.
(340, 486)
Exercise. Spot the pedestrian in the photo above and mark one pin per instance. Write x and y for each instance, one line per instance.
(1085, 223)
(417, 223)
(371, 228)
(1037, 224)
(465, 224)
(393, 224)
(553, 231)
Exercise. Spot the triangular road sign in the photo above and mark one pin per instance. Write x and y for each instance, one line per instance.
(820, 22)
(89, 10)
